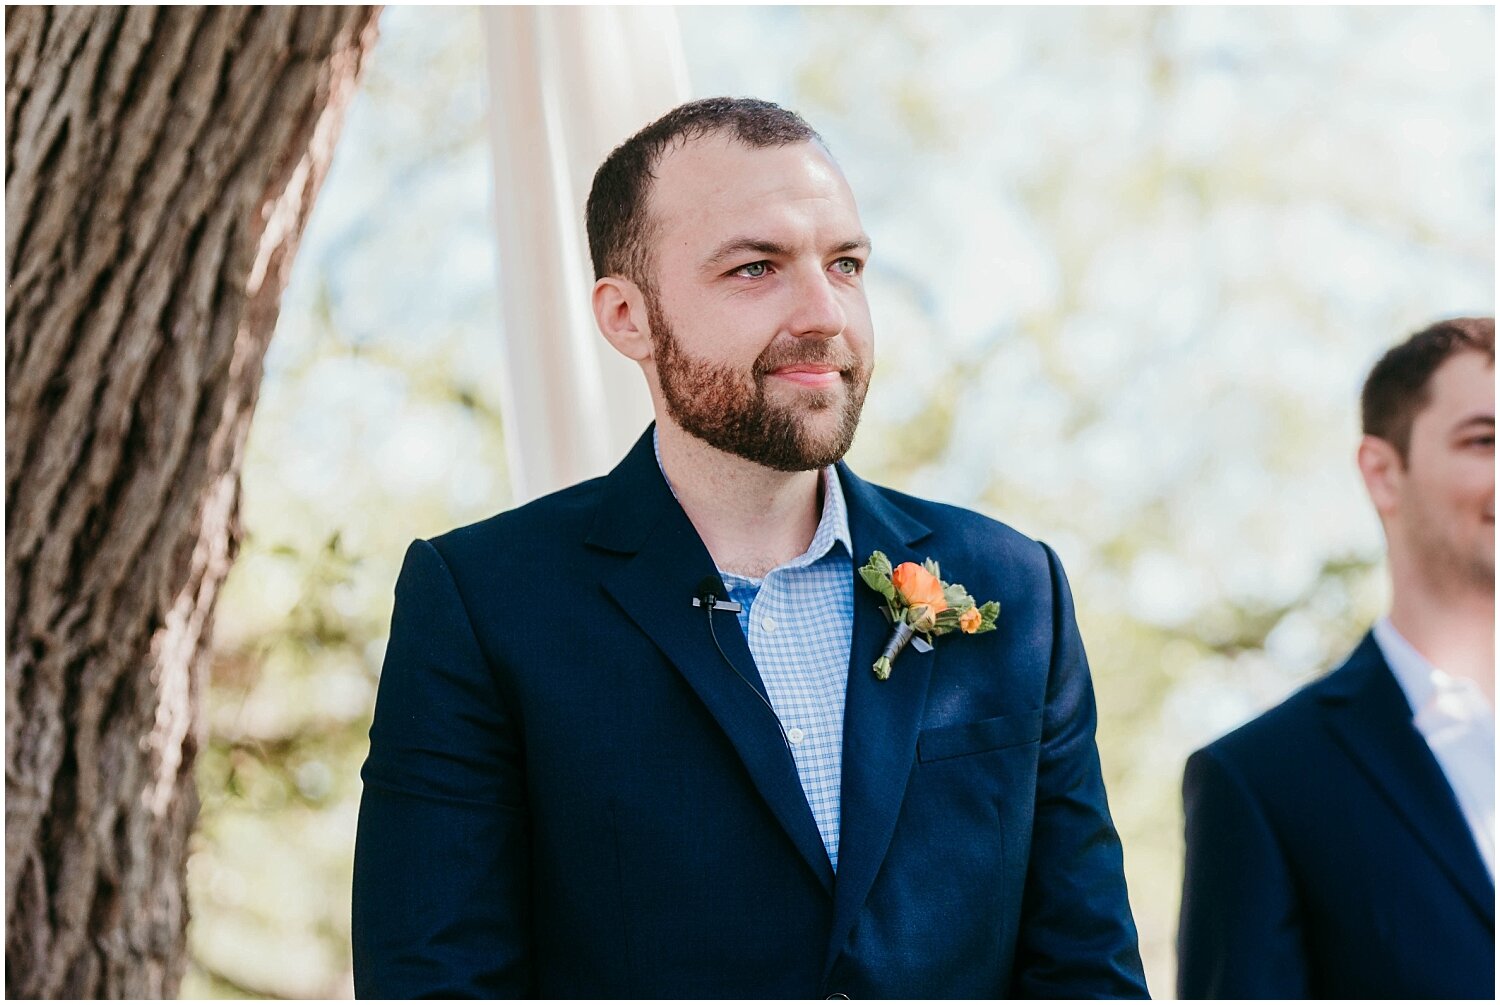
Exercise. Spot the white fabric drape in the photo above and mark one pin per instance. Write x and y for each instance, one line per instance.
(566, 85)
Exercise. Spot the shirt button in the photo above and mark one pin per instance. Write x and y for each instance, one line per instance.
(795, 734)
(768, 623)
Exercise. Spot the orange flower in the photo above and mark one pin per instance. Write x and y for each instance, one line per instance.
(970, 620)
(919, 588)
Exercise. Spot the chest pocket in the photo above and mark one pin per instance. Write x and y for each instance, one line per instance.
(942, 742)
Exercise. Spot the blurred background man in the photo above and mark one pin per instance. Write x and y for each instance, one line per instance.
(1343, 843)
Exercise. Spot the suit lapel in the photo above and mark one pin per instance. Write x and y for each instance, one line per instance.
(1370, 718)
(881, 718)
(638, 516)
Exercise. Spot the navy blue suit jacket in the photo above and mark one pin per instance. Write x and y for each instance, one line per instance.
(569, 794)
(1327, 856)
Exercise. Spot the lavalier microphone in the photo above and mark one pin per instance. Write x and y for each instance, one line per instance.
(707, 595)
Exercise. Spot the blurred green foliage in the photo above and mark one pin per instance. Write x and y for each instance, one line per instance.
(1130, 267)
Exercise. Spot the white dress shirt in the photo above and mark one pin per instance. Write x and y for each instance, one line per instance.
(1458, 724)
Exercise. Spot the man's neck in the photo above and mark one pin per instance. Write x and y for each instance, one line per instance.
(751, 518)
(1454, 629)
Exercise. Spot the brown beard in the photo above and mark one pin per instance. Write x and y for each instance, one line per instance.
(716, 403)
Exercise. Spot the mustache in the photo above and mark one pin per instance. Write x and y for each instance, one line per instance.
(804, 354)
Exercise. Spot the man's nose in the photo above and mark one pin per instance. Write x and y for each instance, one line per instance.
(817, 310)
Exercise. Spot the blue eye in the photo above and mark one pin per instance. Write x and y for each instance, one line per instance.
(754, 270)
(848, 266)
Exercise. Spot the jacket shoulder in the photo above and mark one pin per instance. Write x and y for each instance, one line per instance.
(966, 526)
(535, 532)
(1284, 735)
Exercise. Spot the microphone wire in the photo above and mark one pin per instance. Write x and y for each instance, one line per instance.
(709, 599)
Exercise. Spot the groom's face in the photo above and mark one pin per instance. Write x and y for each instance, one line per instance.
(761, 334)
(1448, 487)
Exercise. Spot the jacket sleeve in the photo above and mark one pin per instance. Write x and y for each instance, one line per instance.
(1240, 933)
(1077, 938)
(441, 859)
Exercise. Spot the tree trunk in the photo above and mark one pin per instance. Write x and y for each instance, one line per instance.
(161, 164)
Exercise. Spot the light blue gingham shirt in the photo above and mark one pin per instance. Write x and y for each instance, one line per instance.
(799, 621)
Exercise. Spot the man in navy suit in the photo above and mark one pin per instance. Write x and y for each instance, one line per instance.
(1342, 845)
(591, 776)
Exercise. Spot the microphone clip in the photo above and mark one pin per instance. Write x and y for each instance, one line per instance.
(718, 605)
(707, 594)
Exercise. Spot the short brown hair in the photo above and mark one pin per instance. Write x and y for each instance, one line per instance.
(1397, 388)
(619, 227)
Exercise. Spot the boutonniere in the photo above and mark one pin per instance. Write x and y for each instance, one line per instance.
(919, 603)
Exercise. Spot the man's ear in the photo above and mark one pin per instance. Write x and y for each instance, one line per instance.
(620, 312)
(1383, 471)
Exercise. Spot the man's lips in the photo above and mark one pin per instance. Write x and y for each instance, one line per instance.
(809, 374)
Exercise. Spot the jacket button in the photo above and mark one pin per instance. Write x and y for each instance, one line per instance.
(837, 994)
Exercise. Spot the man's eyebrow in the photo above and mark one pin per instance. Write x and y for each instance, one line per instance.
(736, 246)
(1482, 419)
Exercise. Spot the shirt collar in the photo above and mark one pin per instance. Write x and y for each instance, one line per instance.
(1428, 690)
(833, 525)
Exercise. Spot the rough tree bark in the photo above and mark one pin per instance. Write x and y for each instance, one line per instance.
(161, 163)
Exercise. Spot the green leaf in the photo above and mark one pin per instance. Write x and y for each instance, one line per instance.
(880, 564)
(958, 598)
(931, 566)
(881, 584)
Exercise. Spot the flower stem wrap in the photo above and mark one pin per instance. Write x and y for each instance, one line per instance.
(900, 636)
